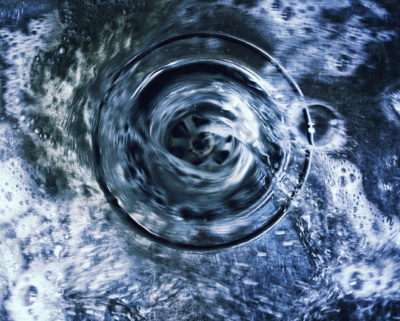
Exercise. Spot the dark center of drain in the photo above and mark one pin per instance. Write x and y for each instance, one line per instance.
(190, 140)
(202, 144)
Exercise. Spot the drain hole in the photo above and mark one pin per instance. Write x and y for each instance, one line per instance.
(198, 161)
(178, 151)
(180, 131)
(200, 121)
(188, 213)
(204, 142)
(221, 156)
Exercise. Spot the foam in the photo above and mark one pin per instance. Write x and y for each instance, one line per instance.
(378, 235)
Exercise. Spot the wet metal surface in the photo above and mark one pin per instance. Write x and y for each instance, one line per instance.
(115, 172)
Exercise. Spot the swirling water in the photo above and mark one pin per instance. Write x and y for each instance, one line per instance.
(66, 254)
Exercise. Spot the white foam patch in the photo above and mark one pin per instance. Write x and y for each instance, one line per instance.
(364, 215)
(36, 291)
(37, 294)
(363, 279)
(58, 235)
(10, 265)
(20, 58)
(329, 50)
(15, 197)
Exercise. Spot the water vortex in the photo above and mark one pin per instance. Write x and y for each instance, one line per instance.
(195, 141)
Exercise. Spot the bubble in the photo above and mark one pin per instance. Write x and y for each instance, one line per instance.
(342, 181)
(287, 13)
(30, 296)
(49, 275)
(276, 5)
(356, 281)
(9, 196)
(343, 62)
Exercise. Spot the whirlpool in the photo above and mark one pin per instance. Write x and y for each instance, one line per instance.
(199, 160)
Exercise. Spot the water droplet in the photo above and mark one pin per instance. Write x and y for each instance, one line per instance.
(325, 124)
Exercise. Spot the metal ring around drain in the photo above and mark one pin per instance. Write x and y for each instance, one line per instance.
(204, 145)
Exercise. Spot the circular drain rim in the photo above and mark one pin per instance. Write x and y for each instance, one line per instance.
(271, 222)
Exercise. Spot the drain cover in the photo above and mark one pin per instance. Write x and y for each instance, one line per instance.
(196, 141)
